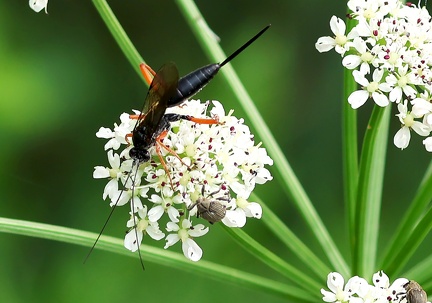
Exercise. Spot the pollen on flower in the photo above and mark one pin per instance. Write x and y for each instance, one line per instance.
(389, 51)
(215, 169)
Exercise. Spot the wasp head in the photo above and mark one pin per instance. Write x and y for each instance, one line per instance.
(139, 154)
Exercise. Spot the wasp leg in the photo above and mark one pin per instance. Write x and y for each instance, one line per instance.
(176, 117)
(147, 72)
(127, 138)
(160, 144)
(159, 141)
(158, 152)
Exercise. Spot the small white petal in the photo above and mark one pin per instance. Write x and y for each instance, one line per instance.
(380, 279)
(191, 250)
(173, 214)
(351, 61)
(38, 5)
(198, 231)
(234, 218)
(377, 74)
(130, 241)
(395, 95)
(380, 99)
(253, 210)
(100, 172)
(171, 239)
(105, 133)
(360, 78)
(402, 138)
(171, 226)
(337, 26)
(328, 296)
(155, 233)
(119, 198)
(358, 98)
(110, 189)
(335, 282)
(420, 128)
(155, 213)
(324, 44)
(428, 144)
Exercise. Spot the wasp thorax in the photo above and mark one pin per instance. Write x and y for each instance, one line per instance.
(414, 293)
(140, 154)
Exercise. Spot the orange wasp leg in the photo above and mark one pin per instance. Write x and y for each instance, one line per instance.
(147, 72)
(159, 144)
(127, 138)
(214, 120)
(159, 141)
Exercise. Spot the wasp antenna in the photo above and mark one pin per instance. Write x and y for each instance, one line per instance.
(242, 48)
(106, 222)
(103, 228)
(133, 216)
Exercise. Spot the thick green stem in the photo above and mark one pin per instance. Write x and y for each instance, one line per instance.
(156, 255)
(369, 192)
(119, 35)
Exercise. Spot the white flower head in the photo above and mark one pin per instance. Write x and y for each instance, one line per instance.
(358, 290)
(390, 53)
(219, 164)
(374, 89)
(407, 119)
(186, 232)
(339, 41)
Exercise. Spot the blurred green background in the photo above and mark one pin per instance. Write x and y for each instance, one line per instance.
(62, 77)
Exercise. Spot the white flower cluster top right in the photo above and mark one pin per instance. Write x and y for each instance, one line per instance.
(390, 53)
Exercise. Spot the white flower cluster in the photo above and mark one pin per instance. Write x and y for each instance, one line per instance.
(219, 163)
(358, 290)
(390, 49)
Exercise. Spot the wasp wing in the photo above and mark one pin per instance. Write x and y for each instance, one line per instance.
(162, 88)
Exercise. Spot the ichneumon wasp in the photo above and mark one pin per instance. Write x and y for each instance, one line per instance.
(166, 90)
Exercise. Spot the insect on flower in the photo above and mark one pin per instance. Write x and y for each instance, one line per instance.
(414, 293)
(209, 209)
(153, 123)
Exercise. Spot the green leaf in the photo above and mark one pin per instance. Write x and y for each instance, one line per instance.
(369, 193)
(155, 255)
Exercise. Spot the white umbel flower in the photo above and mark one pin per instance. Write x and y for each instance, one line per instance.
(391, 43)
(219, 164)
(358, 290)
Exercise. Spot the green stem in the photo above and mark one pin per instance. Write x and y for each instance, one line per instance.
(350, 150)
(369, 193)
(422, 273)
(156, 255)
(119, 35)
(273, 261)
(290, 182)
(287, 237)
(413, 242)
(410, 220)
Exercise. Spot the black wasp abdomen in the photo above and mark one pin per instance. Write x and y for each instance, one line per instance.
(193, 82)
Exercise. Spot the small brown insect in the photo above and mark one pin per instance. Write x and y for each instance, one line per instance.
(208, 209)
(414, 293)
